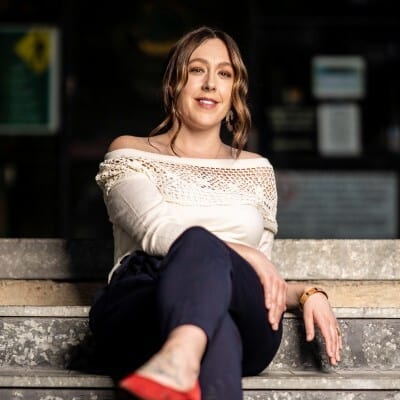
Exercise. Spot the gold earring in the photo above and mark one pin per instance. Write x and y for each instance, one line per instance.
(229, 121)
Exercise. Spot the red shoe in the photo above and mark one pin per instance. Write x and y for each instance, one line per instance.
(148, 389)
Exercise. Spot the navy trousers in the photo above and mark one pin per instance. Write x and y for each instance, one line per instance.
(201, 281)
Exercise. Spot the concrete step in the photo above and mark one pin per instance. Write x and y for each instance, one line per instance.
(58, 259)
(46, 287)
(47, 292)
(342, 293)
(28, 384)
(297, 259)
(51, 272)
(58, 338)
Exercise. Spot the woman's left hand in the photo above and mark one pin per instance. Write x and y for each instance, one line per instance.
(317, 312)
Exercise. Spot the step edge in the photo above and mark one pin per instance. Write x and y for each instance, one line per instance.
(45, 311)
(56, 257)
(324, 381)
(286, 380)
(83, 312)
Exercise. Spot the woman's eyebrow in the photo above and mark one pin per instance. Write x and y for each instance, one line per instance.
(203, 60)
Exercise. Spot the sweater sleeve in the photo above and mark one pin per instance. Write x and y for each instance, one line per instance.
(266, 242)
(135, 204)
(269, 205)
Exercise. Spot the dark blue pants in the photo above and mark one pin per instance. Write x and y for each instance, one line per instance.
(201, 281)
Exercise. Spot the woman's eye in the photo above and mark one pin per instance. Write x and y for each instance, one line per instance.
(226, 74)
(196, 70)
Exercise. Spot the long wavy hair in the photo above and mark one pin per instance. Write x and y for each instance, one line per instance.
(176, 76)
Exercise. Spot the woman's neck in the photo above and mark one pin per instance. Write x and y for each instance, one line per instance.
(199, 145)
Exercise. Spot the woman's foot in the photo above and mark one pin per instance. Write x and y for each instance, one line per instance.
(174, 369)
(171, 367)
(149, 389)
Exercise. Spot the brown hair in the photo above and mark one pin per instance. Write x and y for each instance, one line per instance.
(176, 75)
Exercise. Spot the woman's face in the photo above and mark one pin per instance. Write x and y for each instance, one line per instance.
(206, 98)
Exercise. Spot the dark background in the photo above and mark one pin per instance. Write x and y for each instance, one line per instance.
(110, 86)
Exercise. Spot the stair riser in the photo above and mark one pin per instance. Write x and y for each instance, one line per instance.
(54, 394)
(57, 394)
(296, 259)
(320, 394)
(56, 342)
(367, 343)
(52, 293)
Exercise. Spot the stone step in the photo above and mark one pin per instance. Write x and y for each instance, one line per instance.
(44, 336)
(58, 259)
(297, 259)
(28, 384)
(47, 292)
(342, 293)
(58, 338)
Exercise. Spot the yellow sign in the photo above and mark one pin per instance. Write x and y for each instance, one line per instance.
(29, 79)
(34, 50)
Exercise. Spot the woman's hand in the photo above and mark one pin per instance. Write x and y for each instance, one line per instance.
(275, 291)
(318, 312)
(275, 287)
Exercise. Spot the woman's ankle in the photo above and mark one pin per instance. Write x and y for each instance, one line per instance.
(190, 339)
(171, 367)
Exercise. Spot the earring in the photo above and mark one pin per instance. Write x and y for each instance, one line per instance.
(173, 110)
(229, 121)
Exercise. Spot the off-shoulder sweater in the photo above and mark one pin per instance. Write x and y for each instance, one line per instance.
(152, 198)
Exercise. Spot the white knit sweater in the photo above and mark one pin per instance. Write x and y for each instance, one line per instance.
(152, 198)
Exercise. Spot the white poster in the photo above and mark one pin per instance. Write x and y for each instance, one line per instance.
(339, 129)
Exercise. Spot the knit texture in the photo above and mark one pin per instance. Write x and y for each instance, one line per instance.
(188, 183)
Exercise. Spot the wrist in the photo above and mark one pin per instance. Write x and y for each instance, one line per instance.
(308, 293)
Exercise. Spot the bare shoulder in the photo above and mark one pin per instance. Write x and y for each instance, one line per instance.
(249, 154)
(129, 142)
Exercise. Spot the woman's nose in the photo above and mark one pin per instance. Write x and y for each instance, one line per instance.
(208, 84)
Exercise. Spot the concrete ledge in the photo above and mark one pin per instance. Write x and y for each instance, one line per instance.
(273, 380)
(35, 292)
(341, 380)
(305, 259)
(48, 378)
(297, 259)
(45, 311)
(342, 293)
(83, 311)
(59, 338)
(76, 259)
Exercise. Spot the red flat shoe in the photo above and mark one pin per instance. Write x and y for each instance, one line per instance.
(148, 389)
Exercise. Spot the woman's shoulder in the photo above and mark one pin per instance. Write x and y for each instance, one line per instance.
(129, 142)
(252, 159)
(256, 157)
(245, 154)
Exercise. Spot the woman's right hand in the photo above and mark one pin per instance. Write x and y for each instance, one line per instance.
(275, 287)
(275, 291)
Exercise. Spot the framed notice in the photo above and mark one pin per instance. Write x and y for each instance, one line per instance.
(29, 80)
(338, 77)
(339, 129)
(338, 204)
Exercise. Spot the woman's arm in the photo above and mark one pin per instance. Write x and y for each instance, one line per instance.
(317, 312)
(275, 288)
(133, 200)
(280, 296)
(136, 205)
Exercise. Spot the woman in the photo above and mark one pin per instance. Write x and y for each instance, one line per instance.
(193, 302)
